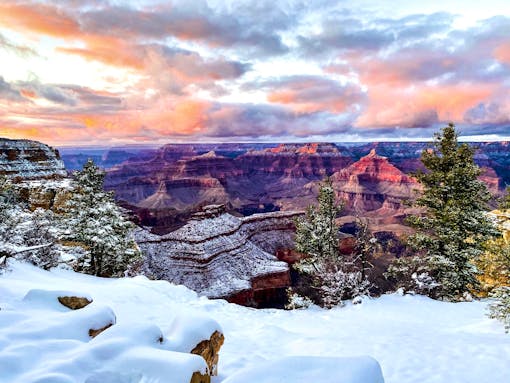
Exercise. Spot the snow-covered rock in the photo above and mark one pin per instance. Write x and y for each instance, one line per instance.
(37, 171)
(49, 298)
(219, 255)
(199, 335)
(25, 159)
(306, 369)
(43, 341)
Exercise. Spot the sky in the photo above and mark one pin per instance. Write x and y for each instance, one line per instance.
(76, 72)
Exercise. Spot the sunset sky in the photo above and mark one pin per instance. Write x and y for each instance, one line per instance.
(146, 71)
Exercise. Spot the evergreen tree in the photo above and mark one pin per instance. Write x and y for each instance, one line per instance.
(25, 235)
(317, 232)
(364, 248)
(495, 265)
(95, 222)
(505, 201)
(500, 308)
(328, 278)
(454, 227)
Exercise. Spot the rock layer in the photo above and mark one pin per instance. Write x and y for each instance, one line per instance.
(27, 160)
(219, 255)
(374, 184)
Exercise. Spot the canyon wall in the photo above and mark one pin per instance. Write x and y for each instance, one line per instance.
(222, 256)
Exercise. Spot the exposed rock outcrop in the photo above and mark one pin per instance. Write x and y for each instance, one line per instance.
(219, 255)
(259, 180)
(502, 218)
(74, 302)
(37, 171)
(373, 183)
(209, 349)
(27, 160)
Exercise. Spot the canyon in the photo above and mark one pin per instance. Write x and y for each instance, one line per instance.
(164, 187)
(219, 218)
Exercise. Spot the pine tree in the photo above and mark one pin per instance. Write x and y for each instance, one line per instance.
(94, 221)
(317, 232)
(495, 265)
(454, 227)
(364, 248)
(505, 201)
(327, 277)
(25, 235)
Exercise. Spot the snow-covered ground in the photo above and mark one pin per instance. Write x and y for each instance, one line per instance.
(415, 339)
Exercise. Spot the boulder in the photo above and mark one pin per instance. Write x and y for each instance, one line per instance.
(93, 332)
(209, 350)
(74, 302)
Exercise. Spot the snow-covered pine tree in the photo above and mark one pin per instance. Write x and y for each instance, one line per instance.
(495, 277)
(93, 220)
(454, 227)
(500, 308)
(505, 201)
(25, 235)
(327, 278)
(364, 249)
(317, 232)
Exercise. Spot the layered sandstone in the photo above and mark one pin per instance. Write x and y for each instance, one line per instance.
(219, 255)
(182, 179)
(27, 160)
(37, 171)
(373, 183)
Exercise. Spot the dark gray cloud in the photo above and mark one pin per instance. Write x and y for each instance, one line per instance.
(253, 27)
(341, 31)
(172, 70)
(491, 112)
(50, 92)
(89, 97)
(8, 92)
(267, 120)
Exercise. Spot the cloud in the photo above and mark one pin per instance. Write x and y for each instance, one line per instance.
(371, 75)
(8, 92)
(341, 31)
(238, 26)
(308, 94)
(38, 18)
(173, 70)
(18, 49)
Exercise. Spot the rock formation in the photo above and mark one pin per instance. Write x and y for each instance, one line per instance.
(159, 200)
(74, 302)
(37, 171)
(222, 256)
(258, 180)
(209, 350)
(373, 183)
(27, 160)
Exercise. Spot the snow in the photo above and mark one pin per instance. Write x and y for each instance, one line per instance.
(189, 330)
(303, 369)
(414, 339)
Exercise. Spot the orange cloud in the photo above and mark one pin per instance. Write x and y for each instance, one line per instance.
(108, 50)
(38, 18)
(299, 105)
(502, 53)
(420, 105)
